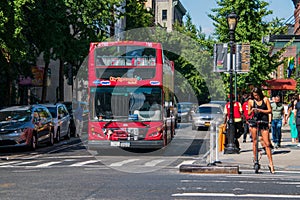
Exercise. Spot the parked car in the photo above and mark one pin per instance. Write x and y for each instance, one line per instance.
(185, 110)
(70, 109)
(61, 120)
(222, 103)
(206, 114)
(26, 126)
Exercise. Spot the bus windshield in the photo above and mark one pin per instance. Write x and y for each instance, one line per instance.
(125, 103)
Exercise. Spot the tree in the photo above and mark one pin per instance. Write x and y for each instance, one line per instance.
(63, 29)
(136, 15)
(251, 28)
(15, 51)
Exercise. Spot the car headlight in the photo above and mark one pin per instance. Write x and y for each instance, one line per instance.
(17, 132)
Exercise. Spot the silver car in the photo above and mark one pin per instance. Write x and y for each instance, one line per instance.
(61, 120)
(207, 115)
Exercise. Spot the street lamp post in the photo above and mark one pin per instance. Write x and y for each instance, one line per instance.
(230, 148)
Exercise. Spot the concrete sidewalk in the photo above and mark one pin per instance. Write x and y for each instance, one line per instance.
(285, 158)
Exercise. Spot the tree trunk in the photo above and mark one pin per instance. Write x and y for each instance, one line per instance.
(44, 90)
(61, 80)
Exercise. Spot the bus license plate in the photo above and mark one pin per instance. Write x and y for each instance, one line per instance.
(119, 144)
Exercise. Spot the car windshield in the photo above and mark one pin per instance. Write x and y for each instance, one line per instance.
(208, 110)
(16, 115)
(184, 106)
(53, 111)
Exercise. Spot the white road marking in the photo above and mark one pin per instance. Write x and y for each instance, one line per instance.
(8, 163)
(84, 163)
(153, 163)
(47, 164)
(119, 164)
(25, 163)
(235, 195)
(186, 162)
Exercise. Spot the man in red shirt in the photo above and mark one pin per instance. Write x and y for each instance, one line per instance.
(237, 118)
(246, 98)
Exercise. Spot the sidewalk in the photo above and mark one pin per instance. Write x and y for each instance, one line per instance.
(284, 158)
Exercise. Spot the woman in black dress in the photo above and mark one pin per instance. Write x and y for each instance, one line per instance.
(261, 107)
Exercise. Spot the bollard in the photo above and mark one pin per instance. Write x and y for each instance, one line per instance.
(211, 145)
(217, 144)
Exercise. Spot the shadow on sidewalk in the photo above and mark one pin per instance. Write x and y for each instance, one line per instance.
(281, 152)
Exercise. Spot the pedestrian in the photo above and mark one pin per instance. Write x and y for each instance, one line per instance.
(246, 117)
(79, 119)
(237, 118)
(260, 106)
(292, 120)
(277, 118)
(297, 115)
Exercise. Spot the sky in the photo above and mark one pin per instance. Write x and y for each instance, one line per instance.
(199, 10)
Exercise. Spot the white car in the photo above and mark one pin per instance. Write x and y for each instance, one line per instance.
(206, 115)
(61, 120)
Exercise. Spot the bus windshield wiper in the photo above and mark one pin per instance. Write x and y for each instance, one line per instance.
(147, 125)
(107, 123)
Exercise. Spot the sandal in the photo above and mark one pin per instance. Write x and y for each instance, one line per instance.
(272, 170)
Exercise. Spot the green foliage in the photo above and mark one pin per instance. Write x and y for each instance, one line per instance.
(136, 15)
(14, 47)
(251, 28)
(57, 29)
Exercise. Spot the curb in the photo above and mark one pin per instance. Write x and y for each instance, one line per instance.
(201, 169)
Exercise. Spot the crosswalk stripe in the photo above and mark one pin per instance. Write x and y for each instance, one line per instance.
(186, 162)
(119, 164)
(26, 163)
(153, 163)
(84, 163)
(77, 163)
(9, 163)
(47, 164)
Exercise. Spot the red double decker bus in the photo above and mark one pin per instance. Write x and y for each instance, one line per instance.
(131, 95)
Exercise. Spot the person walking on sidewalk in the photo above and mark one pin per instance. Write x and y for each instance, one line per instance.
(79, 119)
(297, 115)
(292, 120)
(260, 106)
(277, 117)
(237, 118)
(246, 117)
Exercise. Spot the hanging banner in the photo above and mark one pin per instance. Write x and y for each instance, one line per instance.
(242, 58)
(220, 57)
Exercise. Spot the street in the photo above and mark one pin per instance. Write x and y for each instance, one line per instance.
(68, 171)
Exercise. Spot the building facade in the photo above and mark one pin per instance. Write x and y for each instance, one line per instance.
(166, 12)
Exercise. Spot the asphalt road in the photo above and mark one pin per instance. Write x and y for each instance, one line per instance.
(68, 171)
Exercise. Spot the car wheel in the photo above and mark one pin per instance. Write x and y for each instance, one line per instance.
(68, 136)
(51, 139)
(73, 131)
(165, 137)
(57, 139)
(34, 142)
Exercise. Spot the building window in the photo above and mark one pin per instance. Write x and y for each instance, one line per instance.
(164, 15)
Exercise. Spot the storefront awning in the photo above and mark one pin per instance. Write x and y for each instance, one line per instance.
(280, 84)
